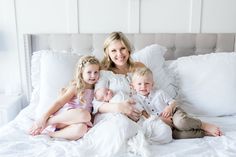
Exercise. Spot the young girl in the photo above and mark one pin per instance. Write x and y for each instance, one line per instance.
(69, 117)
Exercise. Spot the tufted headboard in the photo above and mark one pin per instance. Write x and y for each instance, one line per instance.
(178, 45)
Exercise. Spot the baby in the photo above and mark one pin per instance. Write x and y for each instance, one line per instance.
(105, 94)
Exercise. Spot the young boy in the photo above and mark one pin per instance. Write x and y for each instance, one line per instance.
(157, 102)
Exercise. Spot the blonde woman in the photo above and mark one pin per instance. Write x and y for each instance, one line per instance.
(115, 122)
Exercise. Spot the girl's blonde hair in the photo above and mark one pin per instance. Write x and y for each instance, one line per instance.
(107, 63)
(140, 72)
(78, 81)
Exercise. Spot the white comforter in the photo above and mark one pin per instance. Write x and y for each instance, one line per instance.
(14, 142)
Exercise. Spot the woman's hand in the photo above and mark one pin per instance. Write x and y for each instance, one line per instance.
(38, 126)
(128, 108)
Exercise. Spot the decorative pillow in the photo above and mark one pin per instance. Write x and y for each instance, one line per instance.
(207, 83)
(152, 57)
(56, 71)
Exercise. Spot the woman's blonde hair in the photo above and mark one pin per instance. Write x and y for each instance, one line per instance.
(78, 80)
(107, 63)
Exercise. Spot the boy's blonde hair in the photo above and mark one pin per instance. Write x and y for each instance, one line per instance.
(140, 72)
(78, 81)
(107, 63)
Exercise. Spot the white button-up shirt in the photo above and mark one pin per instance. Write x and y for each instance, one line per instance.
(155, 102)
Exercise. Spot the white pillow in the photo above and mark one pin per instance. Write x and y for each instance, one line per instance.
(153, 57)
(207, 83)
(56, 71)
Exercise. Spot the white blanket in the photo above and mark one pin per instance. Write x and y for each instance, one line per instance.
(15, 141)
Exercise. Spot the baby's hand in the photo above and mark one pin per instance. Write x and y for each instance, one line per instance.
(167, 112)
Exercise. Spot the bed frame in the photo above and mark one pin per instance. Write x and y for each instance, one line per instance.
(178, 45)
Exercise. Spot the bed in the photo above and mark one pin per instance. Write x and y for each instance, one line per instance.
(196, 68)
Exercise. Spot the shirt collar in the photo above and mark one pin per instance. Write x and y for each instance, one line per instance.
(150, 95)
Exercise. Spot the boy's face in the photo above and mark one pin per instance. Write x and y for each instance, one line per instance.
(104, 94)
(143, 84)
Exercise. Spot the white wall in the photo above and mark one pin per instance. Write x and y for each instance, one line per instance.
(102, 16)
(10, 80)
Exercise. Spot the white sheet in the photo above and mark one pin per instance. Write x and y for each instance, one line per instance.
(14, 141)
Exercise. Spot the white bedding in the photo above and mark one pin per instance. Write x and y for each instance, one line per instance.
(14, 141)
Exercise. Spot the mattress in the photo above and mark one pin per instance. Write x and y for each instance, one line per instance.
(15, 141)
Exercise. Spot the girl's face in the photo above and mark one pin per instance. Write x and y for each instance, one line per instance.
(143, 85)
(90, 74)
(118, 53)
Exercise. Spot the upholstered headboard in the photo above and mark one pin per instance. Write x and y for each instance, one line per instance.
(178, 45)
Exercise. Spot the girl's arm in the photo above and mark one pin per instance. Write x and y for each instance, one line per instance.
(40, 124)
(60, 102)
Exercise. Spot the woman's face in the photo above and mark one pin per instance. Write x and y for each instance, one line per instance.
(118, 53)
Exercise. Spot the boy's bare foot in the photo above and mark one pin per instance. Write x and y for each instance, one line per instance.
(211, 130)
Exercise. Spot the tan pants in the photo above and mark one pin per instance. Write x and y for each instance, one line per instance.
(185, 126)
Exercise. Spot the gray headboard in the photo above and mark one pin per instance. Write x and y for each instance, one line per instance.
(178, 45)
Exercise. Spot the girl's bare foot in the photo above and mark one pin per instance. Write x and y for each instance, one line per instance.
(211, 130)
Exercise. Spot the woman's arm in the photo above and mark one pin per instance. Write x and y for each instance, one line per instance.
(126, 107)
(122, 107)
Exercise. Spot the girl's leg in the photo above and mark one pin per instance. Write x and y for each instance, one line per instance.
(71, 132)
(72, 116)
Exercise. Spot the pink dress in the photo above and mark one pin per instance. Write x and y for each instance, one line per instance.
(73, 104)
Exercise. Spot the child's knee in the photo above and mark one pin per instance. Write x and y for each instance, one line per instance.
(85, 115)
(181, 123)
(79, 130)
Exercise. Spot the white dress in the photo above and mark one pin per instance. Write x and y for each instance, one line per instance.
(111, 131)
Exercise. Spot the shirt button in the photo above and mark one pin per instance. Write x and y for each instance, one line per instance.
(152, 110)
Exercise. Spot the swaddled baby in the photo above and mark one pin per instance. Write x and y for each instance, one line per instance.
(105, 94)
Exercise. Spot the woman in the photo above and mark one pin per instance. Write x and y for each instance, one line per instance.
(117, 67)
(115, 123)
